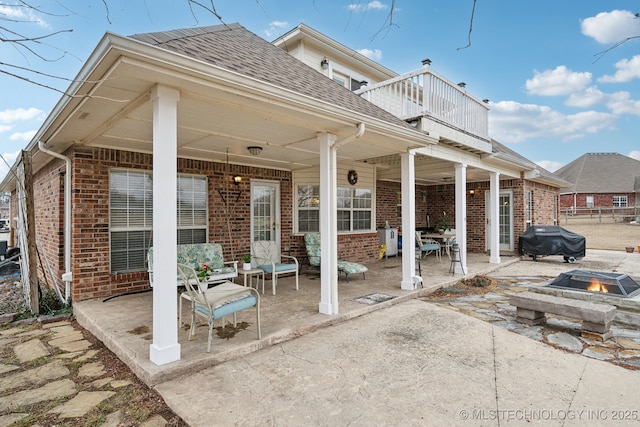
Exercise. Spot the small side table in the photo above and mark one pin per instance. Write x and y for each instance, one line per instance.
(257, 272)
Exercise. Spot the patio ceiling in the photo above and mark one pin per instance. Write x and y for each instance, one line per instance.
(220, 114)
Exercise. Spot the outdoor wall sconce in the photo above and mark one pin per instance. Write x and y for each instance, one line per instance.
(254, 151)
(472, 192)
(324, 63)
(237, 180)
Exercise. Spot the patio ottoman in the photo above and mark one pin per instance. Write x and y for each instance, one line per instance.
(351, 268)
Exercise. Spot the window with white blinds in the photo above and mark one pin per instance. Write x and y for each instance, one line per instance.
(354, 205)
(131, 216)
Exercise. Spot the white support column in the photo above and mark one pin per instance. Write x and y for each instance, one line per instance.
(165, 347)
(328, 225)
(494, 218)
(408, 187)
(461, 216)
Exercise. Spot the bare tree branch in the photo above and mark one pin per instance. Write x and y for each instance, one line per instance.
(29, 39)
(620, 43)
(211, 9)
(473, 12)
(388, 22)
(28, 80)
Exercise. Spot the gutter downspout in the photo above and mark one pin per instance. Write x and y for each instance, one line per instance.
(350, 138)
(67, 277)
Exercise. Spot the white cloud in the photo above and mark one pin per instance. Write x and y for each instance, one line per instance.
(634, 155)
(275, 27)
(611, 27)
(621, 103)
(372, 5)
(19, 114)
(375, 54)
(586, 98)
(22, 136)
(22, 14)
(628, 69)
(618, 102)
(512, 122)
(560, 81)
(5, 128)
(550, 165)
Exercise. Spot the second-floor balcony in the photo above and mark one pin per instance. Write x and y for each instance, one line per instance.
(449, 112)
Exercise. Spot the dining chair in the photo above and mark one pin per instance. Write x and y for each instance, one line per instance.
(427, 246)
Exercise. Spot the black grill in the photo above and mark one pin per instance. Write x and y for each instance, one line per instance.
(540, 240)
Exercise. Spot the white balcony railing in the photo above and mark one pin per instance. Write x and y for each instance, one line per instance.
(424, 93)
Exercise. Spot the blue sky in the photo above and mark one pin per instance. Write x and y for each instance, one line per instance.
(552, 97)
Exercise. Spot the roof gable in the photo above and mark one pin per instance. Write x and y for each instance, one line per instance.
(235, 48)
(601, 173)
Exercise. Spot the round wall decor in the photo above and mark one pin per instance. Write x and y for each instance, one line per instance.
(352, 177)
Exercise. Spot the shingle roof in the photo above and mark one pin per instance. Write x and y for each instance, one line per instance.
(498, 147)
(235, 48)
(601, 173)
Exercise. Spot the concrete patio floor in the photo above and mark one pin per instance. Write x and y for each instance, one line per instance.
(124, 323)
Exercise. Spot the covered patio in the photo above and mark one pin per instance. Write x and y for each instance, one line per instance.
(124, 323)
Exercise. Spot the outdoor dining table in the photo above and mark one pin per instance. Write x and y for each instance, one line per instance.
(444, 236)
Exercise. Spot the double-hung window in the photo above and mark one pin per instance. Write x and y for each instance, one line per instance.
(354, 208)
(131, 216)
(308, 208)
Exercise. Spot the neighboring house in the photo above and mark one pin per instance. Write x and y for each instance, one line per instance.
(600, 180)
(260, 144)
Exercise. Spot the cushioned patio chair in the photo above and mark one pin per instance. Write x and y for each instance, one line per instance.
(312, 245)
(268, 258)
(427, 246)
(214, 303)
(196, 255)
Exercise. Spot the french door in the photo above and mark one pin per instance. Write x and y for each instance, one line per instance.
(505, 220)
(265, 211)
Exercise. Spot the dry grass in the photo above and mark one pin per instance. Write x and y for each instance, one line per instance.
(606, 234)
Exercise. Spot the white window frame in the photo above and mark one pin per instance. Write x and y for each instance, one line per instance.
(135, 248)
(529, 208)
(347, 206)
(311, 204)
(620, 201)
(589, 202)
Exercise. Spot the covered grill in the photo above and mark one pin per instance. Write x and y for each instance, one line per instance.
(540, 240)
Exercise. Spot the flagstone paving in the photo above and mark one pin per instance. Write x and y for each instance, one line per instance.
(493, 306)
(54, 367)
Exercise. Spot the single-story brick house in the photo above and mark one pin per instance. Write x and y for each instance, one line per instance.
(319, 137)
(600, 180)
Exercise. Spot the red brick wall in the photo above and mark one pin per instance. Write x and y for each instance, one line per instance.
(599, 199)
(90, 212)
(388, 199)
(48, 189)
